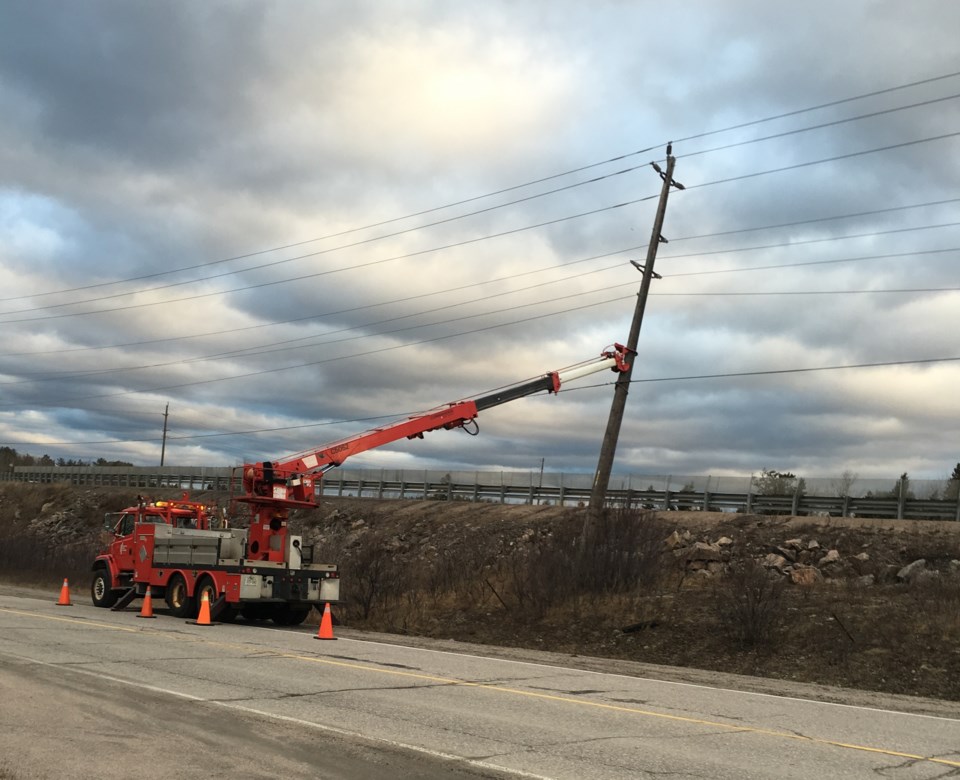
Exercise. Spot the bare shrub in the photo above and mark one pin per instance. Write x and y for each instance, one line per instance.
(622, 552)
(936, 603)
(750, 604)
(374, 573)
(25, 560)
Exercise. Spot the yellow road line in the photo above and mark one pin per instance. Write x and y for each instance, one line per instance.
(503, 689)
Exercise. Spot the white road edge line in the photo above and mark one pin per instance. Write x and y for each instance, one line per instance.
(626, 676)
(654, 680)
(287, 719)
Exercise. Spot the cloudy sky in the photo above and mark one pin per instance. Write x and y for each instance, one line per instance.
(295, 221)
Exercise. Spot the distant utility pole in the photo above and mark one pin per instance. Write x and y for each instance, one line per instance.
(163, 447)
(609, 447)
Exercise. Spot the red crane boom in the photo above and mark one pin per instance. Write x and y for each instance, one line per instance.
(272, 488)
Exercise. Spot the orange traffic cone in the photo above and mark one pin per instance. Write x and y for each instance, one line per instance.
(146, 611)
(64, 595)
(204, 618)
(326, 625)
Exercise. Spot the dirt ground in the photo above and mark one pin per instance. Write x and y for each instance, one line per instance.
(459, 572)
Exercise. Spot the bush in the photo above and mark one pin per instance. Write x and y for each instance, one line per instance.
(622, 552)
(749, 603)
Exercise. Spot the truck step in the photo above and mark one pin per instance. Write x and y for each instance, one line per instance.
(124, 600)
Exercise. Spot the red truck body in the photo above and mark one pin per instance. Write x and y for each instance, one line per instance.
(181, 550)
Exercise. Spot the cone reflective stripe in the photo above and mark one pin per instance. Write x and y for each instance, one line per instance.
(146, 611)
(64, 600)
(203, 619)
(326, 625)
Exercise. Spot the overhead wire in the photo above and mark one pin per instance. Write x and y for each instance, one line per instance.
(465, 242)
(540, 180)
(578, 295)
(275, 347)
(271, 347)
(730, 179)
(507, 277)
(367, 264)
(649, 380)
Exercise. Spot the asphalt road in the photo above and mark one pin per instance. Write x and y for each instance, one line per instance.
(91, 693)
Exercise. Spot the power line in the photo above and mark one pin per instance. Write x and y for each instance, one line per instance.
(829, 104)
(504, 190)
(821, 126)
(264, 348)
(274, 263)
(507, 277)
(693, 377)
(797, 223)
(269, 347)
(275, 347)
(465, 242)
(847, 156)
(329, 272)
(815, 262)
(771, 372)
(807, 241)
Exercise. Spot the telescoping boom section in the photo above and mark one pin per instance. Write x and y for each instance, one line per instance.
(273, 487)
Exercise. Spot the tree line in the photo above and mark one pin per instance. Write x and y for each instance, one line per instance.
(784, 483)
(9, 458)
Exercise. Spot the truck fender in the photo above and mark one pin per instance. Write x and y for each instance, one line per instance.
(107, 562)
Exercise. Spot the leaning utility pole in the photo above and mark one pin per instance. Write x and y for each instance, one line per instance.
(163, 447)
(609, 447)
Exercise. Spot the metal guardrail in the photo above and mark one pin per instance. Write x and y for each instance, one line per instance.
(797, 505)
(199, 478)
(509, 487)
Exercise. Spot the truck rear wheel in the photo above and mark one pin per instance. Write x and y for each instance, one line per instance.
(101, 593)
(208, 586)
(287, 615)
(179, 601)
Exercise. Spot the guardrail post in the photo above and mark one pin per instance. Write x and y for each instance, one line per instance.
(901, 499)
(795, 504)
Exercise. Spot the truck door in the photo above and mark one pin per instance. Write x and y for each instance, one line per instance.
(122, 546)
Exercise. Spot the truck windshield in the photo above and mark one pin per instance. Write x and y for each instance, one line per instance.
(111, 520)
(119, 523)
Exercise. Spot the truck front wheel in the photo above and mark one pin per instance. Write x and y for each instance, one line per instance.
(181, 604)
(101, 594)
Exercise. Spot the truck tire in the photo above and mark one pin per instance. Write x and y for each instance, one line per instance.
(287, 615)
(208, 586)
(180, 603)
(101, 594)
